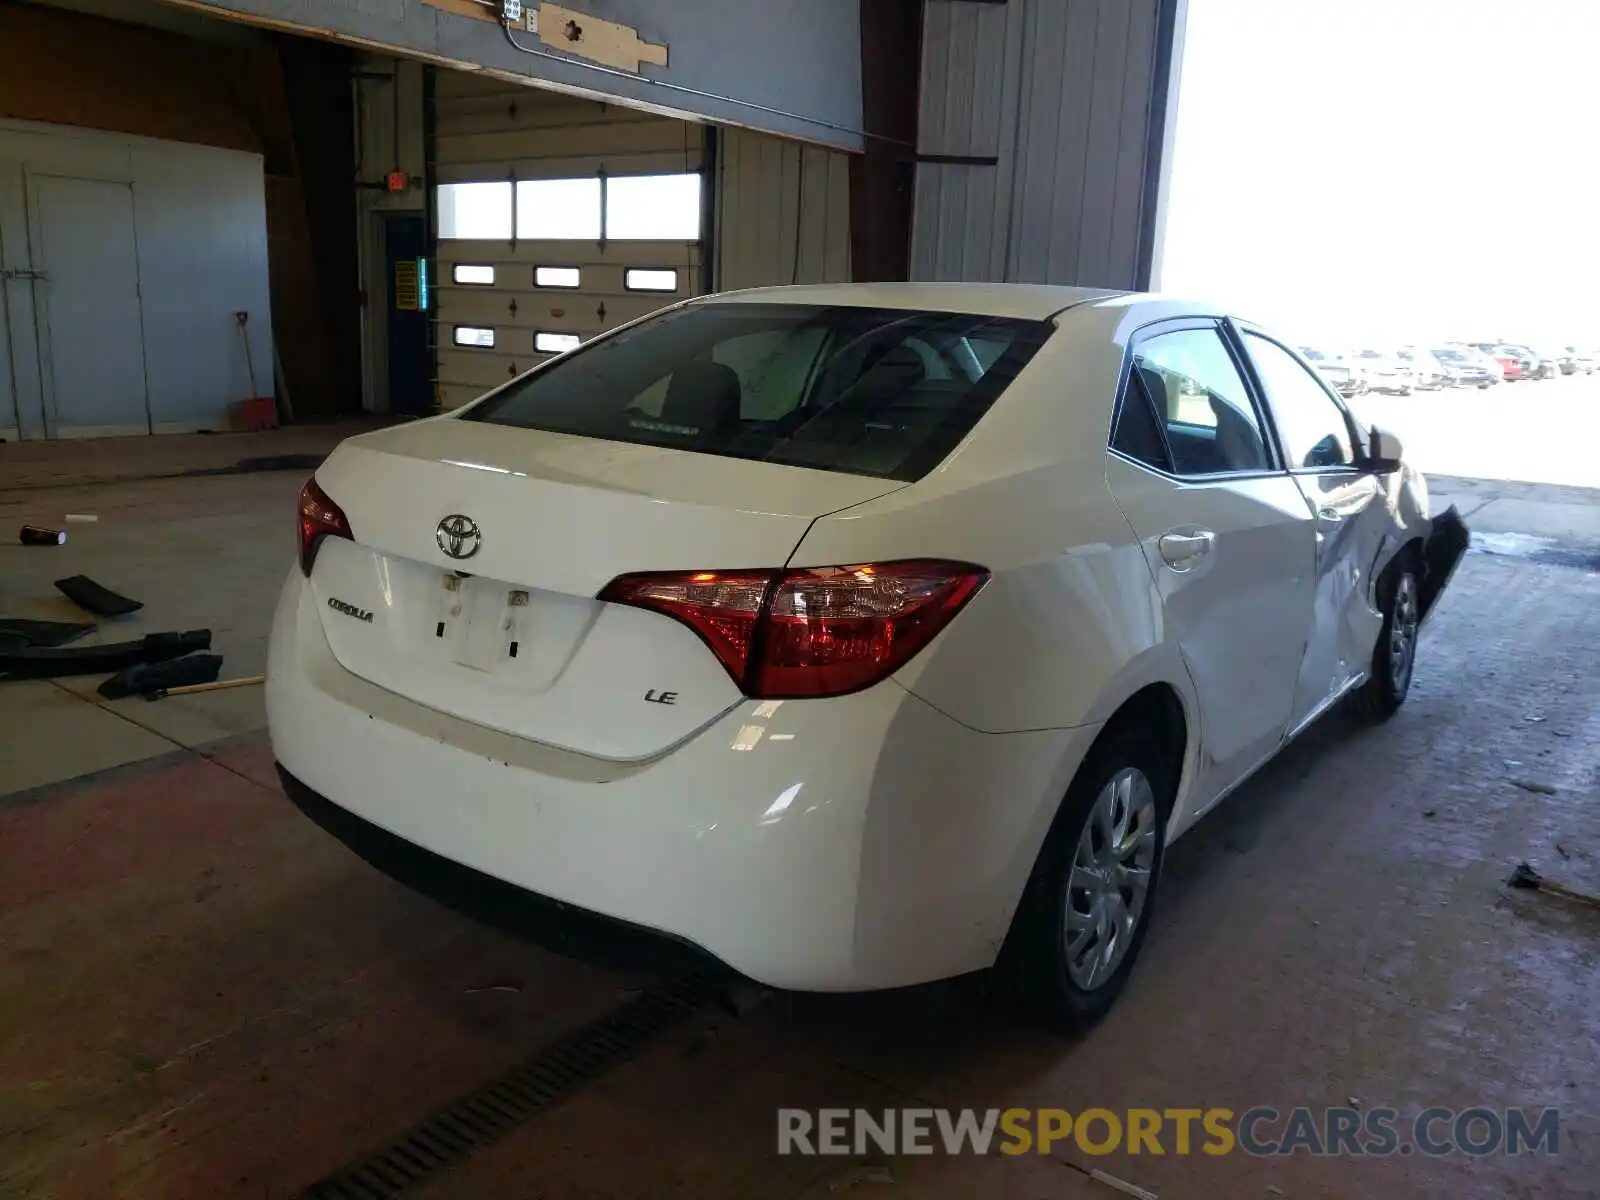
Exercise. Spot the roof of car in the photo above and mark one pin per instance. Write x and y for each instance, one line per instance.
(1029, 301)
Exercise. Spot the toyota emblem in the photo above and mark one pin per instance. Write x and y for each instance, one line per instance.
(458, 536)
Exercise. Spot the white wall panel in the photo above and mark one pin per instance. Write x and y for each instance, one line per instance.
(783, 212)
(200, 217)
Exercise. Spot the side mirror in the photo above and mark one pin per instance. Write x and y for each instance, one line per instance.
(1384, 451)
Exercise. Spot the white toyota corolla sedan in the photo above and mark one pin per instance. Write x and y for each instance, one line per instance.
(857, 636)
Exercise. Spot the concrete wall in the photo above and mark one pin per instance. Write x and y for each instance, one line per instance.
(1060, 109)
(786, 66)
(202, 255)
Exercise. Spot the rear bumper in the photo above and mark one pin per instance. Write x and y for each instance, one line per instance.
(563, 928)
(861, 842)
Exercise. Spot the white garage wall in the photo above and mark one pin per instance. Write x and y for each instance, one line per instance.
(783, 212)
(200, 218)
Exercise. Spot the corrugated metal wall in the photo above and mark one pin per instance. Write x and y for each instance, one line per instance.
(1065, 96)
(783, 212)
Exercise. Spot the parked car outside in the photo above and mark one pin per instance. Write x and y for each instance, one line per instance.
(1387, 374)
(1340, 372)
(707, 627)
(1513, 366)
(1584, 362)
(1469, 367)
(1534, 365)
(1427, 372)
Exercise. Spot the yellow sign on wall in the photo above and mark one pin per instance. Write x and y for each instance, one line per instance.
(410, 286)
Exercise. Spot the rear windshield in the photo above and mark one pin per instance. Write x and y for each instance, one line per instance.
(866, 391)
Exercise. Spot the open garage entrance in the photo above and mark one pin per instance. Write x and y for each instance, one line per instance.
(1413, 211)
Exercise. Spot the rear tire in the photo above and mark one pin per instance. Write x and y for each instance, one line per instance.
(1394, 657)
(1086, 909)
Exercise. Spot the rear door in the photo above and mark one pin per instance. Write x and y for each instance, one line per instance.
(1318, 442)
(1226, 533)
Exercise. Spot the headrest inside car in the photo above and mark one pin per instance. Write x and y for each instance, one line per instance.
(703, 396)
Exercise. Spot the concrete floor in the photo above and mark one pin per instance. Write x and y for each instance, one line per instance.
(204, 995)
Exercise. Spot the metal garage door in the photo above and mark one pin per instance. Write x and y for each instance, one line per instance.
(559, 218)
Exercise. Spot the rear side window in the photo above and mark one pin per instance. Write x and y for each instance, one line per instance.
(1207, 421)
(865, 391)
(1138, 435)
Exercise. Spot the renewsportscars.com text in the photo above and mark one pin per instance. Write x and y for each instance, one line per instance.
(1260, 1132)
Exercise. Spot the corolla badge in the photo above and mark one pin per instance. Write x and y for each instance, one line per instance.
(350, 610)
(458, 536)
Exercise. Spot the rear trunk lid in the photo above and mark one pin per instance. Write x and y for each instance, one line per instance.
(506, 631)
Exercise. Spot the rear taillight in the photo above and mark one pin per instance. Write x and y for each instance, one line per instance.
(821, 631)
(721, 606)
(320, 518)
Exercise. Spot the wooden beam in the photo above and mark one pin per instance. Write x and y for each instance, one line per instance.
(579, 34)
(604, 42)
(480, 10)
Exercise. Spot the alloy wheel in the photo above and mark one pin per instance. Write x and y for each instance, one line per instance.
(1403, 633)
(1110, 878)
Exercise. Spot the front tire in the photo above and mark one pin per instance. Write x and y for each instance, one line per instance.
(1394, 658)
(1086, 910)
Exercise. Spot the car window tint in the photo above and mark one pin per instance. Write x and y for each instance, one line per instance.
(1311, 426)
(1137, 434)
(772, 367)
(1202, 402)
(866, 391)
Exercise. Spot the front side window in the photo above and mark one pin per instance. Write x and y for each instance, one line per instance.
(865, 391)
(1199, 403)
(1313, 429)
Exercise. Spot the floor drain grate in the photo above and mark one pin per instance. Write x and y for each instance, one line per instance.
(469, 1123)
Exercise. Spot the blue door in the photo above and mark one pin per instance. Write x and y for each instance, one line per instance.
(410, 355)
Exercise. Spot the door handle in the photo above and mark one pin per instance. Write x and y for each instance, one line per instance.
(1328, 513)
(1179, 550)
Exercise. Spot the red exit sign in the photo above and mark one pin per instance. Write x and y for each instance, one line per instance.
(397, 181)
